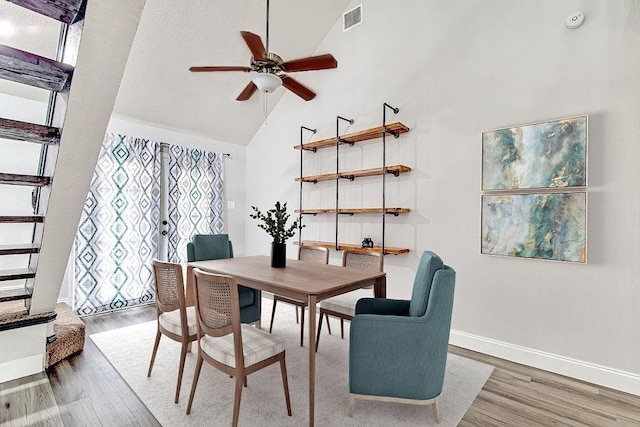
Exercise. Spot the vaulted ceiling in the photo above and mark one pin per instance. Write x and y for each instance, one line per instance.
(158, 88)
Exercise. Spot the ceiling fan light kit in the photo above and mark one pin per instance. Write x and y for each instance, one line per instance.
(270, 68)
(266, 82)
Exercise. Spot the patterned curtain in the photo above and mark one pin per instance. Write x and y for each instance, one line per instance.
(117, 235)
(195, 197)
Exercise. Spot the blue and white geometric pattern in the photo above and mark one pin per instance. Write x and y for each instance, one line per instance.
(117, 237)
(195, 197)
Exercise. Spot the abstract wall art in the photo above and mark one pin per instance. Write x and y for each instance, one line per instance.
(543, 225)
(550, 154)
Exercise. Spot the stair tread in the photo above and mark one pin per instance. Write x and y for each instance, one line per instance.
(14, 294)
(16, 179)
(61, 10)
(22, 248)
(32, 132)
(21, 218)
(17, 274)
(34, 70)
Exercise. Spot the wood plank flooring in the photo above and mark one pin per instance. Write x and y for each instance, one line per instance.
(89, 392)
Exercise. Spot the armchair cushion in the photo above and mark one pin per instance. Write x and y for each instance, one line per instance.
(429, 264)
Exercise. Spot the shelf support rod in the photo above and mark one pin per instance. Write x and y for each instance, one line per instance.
(338, 141)
(384, 165)
(302, 128)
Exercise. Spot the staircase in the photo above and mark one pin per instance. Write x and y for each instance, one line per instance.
(16, 284)
(82, 98)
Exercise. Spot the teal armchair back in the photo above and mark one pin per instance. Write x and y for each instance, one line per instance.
(398, 348)
(218, 246)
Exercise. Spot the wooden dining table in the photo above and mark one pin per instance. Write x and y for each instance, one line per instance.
(298, 280)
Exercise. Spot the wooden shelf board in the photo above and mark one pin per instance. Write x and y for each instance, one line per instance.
(354, 210)
(353, 247)
(395, 170)
(363, 135)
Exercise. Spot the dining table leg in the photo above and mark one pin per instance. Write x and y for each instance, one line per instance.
(312, 357)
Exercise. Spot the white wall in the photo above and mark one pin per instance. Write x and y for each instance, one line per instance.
(455, 69)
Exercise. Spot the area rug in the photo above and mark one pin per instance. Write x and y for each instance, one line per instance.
(129, 350)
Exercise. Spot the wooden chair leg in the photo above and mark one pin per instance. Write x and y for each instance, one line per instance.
(236, 400)
(196, 375)
(352, 403)
(319, 329)
(436, 413)
(285, 383)
(301, 327)
(183, 357)
(153, 354)
(273, 313)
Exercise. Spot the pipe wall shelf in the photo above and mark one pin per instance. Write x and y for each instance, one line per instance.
(353, 247)
(351, 175)
(365, 135)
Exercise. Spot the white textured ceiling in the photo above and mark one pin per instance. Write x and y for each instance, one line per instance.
(158, 88)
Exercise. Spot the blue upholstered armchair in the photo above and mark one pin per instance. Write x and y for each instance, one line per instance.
(398, 348)
(218, 246)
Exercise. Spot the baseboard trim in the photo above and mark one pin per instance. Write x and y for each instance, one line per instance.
(596, 374)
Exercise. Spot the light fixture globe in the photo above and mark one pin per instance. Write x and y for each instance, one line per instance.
(267, 82)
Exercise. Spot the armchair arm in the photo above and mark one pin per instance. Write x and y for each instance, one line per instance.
(382, 306)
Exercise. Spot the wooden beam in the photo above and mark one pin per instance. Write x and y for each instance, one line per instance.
(33, 70)
(61, 10)
(22, 131)
(32, 180)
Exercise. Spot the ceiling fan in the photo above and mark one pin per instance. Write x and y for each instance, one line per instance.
(270, 68)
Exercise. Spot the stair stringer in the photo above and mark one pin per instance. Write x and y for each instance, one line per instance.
(109, 29)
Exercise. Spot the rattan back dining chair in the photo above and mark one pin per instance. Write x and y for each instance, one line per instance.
(317, 255)
(175, 320)
(344, 306)
(235, 348)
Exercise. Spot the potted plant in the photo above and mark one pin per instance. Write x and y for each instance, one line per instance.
(275, 224)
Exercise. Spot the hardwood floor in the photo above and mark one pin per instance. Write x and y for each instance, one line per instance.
(89, 392)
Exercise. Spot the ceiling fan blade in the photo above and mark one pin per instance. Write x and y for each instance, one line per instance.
(247, 92)
(220, 68)
(321, 62)
(255, 45)
(298, 88)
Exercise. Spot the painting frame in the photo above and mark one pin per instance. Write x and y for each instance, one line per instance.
(539, 225)
(541, 155)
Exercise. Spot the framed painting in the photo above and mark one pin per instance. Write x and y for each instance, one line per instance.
(548, 226)
(540, 155)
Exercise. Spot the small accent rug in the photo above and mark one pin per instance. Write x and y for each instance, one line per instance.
(129, 351)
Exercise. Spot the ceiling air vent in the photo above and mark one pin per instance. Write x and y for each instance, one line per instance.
(352, 18)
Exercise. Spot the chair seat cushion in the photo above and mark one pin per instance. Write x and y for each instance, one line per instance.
(171, 321)
(257, 345)
(346, 303)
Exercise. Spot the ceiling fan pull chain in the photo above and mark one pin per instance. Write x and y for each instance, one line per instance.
(264, 107)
